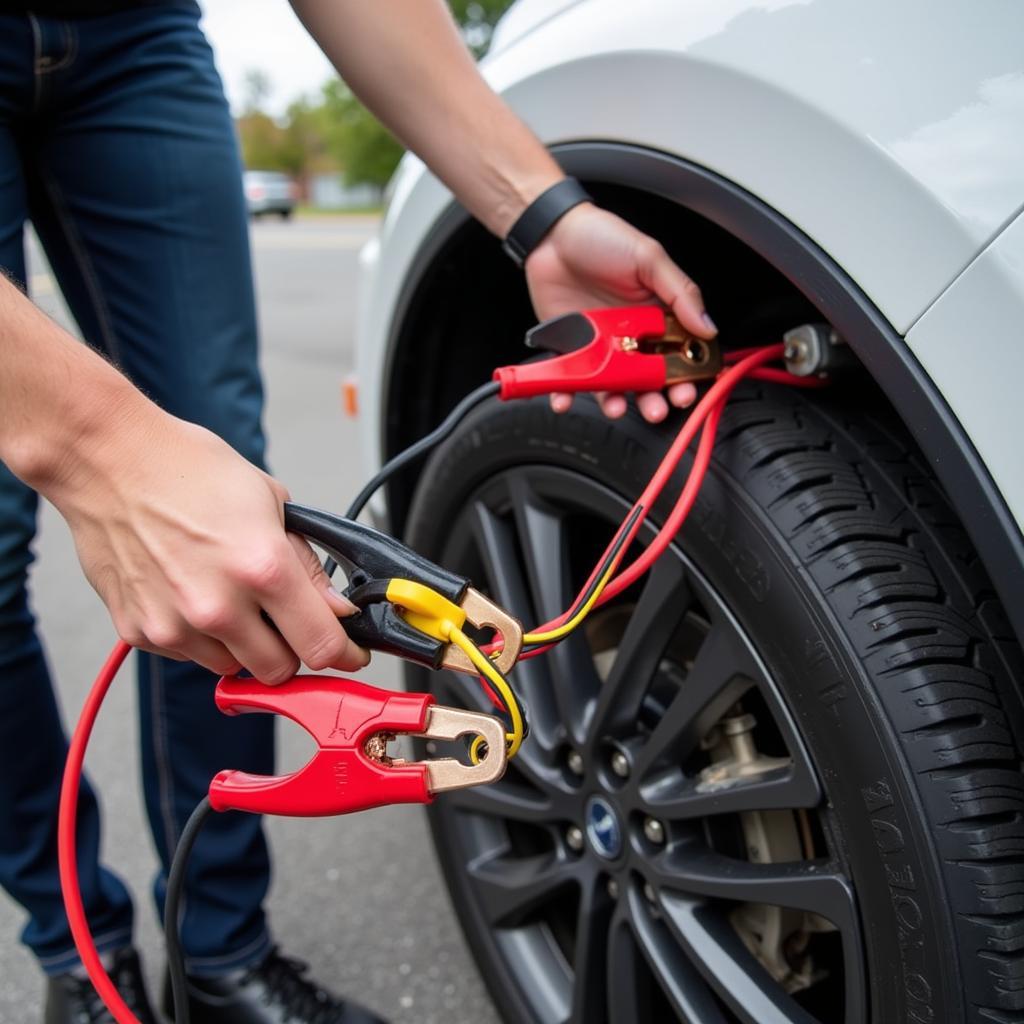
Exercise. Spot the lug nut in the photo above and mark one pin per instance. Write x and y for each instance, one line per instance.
(620, 764)
(613, 888)
(654, 831)
(649, 893)
(575, 762)
(574, 838)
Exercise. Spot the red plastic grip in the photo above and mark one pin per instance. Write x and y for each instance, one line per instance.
(601, 365)
(340, 714)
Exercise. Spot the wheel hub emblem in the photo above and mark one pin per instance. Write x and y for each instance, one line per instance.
(603, 828)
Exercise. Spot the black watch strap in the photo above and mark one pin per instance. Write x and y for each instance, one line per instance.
(541, 216)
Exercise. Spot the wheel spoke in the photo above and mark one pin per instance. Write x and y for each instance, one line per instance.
(662, 603)
(534, 763)
(495, 541)
(543, 537)
(721, 672)
(504, 800)
(728, 966)
(811, 885)
(673, 971)
(510, 889)
(590, 964)
(672, 796)
(627, 981)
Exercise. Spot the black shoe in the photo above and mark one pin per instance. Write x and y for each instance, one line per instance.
(273, 992)
(71, 999)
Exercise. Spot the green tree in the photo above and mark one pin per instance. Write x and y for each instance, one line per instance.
(367, 151)
(262, 141)
(338, 131)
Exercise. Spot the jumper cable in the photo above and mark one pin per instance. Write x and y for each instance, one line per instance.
(636, 348)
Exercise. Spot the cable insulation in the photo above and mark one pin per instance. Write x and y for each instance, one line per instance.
(172, 909)
(495, 677)
(414, 452)
(67, 830)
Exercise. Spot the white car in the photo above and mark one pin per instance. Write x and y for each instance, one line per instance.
(780, 781)
(269, 192)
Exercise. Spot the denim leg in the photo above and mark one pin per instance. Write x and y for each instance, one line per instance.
(137, 197)
(32, 752)
(32, 741)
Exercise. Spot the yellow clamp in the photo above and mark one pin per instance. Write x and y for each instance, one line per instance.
(426, 609)
(433, 614)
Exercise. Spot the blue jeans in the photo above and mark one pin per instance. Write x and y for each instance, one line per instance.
(116, 141)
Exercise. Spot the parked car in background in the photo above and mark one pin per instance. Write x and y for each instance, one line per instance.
(778, 781)
(269, 192)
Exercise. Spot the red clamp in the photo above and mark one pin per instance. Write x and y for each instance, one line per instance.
(629, 348)
(352, 724)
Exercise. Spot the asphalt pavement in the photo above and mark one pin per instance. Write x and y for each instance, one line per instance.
(361, 898)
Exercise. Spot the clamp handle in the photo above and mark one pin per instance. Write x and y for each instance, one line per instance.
(598, 353)
(342, 715)
(367, 556)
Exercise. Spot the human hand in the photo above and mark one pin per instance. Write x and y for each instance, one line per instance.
(184, 541)
(593, 258)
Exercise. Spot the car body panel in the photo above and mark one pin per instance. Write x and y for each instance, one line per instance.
(892, 135)
(522, 18)
(970, 344)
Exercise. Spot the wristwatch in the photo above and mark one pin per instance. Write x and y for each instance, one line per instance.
(541, 216)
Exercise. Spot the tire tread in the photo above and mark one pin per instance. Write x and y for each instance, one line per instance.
(869, 523)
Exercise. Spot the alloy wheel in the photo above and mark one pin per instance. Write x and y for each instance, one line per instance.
(661, 847)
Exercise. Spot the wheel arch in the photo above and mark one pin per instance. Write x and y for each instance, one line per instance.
(436, 349)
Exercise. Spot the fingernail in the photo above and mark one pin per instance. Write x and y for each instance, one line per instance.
(709, 323)
(347, 607)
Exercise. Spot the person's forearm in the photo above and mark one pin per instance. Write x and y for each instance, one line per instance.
(59, 400)
(406, 61)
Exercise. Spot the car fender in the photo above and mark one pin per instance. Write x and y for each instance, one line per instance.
(970, 342)
(893, 144)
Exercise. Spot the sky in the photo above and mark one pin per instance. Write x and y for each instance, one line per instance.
(263, 34)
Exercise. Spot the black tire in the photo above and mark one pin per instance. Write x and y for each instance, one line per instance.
(838, 560)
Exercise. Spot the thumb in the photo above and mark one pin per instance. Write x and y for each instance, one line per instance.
(341, 606)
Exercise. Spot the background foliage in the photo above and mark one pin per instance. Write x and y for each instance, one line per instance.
(333, 131)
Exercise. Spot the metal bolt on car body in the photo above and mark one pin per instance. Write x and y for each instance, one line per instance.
(654, 831)
(620, 764)
(814, 349)
(574, 838)
(575, 762)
